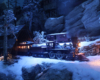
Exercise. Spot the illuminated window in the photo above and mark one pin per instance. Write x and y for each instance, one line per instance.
(28, 47)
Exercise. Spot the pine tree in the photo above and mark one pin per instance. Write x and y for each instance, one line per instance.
(8, 18)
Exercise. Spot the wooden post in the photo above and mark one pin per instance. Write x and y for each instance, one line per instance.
(5, 43)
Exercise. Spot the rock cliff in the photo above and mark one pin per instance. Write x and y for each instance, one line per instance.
(83, 19)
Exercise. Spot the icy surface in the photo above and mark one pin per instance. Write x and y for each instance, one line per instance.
(81, 70)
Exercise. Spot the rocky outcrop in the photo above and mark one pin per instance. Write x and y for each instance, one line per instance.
(46, 71)
(34, 72)
(56, 73)
(54, 24)
(83, 19)
(73, 23)
(91, 16)
(30, 73)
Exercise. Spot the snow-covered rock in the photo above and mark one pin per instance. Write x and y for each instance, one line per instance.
(54, 73)
(91, 48)
(35, 72)
(31, 73)
(54, 24)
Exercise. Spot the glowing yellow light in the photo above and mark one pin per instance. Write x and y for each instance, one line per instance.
(23, 43)
(79, 44)
(28, 47)
(24, 47)
(19, 47)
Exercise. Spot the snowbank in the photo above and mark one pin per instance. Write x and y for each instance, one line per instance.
(86, 43)
(90, 48)
(81, 70)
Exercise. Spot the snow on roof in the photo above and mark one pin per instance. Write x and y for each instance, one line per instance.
(39, 45)
(58, 33)
(50, 41)
(26, 42)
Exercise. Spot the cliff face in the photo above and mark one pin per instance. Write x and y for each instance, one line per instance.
(73, 23)
(67, 9)
(91, 16)
(83, 19)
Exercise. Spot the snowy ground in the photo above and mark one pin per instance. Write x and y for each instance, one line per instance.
(81, 70)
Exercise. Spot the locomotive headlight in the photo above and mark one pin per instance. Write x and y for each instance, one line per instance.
(79, 44)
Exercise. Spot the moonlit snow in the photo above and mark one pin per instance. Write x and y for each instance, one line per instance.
(81, 70)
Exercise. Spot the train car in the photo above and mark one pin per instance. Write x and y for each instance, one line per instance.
(59, 37)
(59, 46)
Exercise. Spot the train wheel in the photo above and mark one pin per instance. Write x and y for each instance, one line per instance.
(59, 55)
(52, 54)
(66, 56)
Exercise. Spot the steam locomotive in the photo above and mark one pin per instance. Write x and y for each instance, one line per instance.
(59, 46)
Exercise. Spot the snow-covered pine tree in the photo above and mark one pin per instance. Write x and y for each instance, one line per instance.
(8, 18)
(39, 37)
